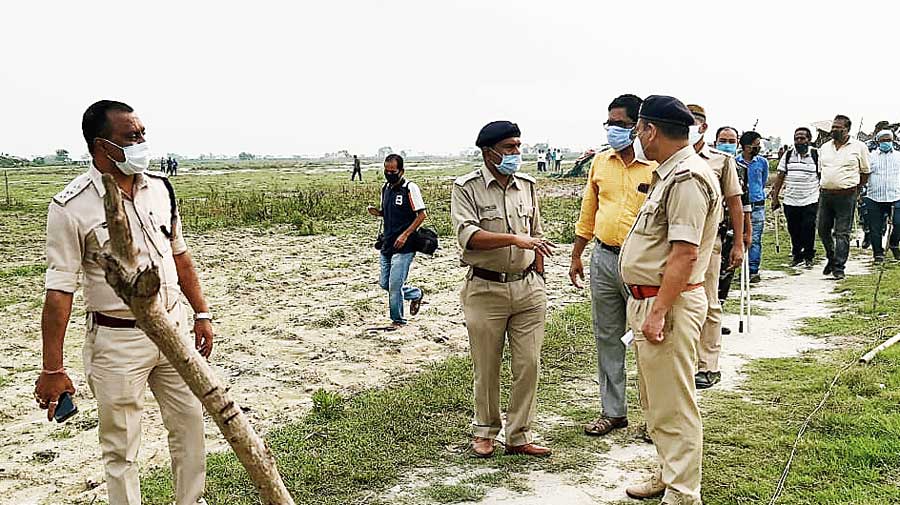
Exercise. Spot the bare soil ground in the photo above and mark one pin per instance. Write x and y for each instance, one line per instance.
(293, 315)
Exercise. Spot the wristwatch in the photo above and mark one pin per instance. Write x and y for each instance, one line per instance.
(202, 315)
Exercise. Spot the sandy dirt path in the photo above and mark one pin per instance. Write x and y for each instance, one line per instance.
(292, 314)
(773, 335)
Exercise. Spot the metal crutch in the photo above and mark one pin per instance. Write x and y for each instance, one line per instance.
(743, 293)
(777, 242)
(748, 294)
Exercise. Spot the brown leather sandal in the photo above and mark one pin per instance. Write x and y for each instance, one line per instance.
(603, 425)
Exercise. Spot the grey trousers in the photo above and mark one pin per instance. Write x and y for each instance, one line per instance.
(835, 222)
(608, 299)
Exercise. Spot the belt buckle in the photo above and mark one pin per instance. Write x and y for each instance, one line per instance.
(502, 276)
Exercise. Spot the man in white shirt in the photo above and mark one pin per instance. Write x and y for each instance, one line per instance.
(798, 176)
(844, 165)
(883, 195)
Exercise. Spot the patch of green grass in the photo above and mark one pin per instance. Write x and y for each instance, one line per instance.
(23, 271)
(857, 315)
(332, 319)
(453, 493)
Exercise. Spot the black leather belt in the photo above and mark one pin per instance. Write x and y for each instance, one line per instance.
(490, 275)
(113, 322)
(611, 248)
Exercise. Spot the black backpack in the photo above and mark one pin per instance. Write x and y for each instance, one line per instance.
(424, 241)
(812, 151)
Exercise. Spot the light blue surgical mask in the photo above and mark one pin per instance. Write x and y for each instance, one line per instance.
(885, 147)
(510, 163)
(619, 138)
(728, 148)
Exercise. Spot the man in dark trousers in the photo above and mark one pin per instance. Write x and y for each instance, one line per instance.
(357, 169)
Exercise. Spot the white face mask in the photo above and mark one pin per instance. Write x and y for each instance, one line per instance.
(694, 134)
(137, 158)
(639, 150)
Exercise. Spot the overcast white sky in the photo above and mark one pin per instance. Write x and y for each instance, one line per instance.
(288, 78)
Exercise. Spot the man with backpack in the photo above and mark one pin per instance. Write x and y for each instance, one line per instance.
(798, 175)
(403, 210)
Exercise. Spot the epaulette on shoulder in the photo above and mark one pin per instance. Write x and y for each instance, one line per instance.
(463, 179)
(527, 177)
(73, 189)
(683, 175)
(155, 174)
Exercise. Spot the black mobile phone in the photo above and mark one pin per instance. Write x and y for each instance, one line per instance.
(65, 408)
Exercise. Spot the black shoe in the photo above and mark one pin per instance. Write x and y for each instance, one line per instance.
(809, 263)
(726, 330)
(896, 252)
(701, 380)
(838, 275)
(755, 279)
(866, 242)
(796, 262)
(706, 380)
(879, 259)
(828, 268)
(416, 304)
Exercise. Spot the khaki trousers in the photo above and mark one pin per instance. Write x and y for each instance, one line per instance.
(666, 381)
(119, 363)
(495, 312)
(711, 335)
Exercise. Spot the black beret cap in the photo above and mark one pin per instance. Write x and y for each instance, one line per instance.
(666, 109)
(495, 131)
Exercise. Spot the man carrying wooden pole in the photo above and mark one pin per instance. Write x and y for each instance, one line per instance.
(119, 226)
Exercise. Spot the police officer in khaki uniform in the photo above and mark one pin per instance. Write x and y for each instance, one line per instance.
(119, 359)
(498, 223)
(737, 204)
(663, 262)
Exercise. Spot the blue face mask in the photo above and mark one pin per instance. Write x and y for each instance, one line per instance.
(619, 138)
(728, 148)
(509, 164)
(885, 147)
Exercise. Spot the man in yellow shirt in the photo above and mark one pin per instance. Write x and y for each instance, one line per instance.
(616, 188)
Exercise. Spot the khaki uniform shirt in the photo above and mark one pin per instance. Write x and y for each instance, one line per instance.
(479, 202)
(840, 168)
(683, 205)
(76, 231)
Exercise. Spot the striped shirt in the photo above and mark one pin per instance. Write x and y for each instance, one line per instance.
(884, 181)
(801, 180)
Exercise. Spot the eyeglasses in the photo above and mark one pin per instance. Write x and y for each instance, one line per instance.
(620, 124)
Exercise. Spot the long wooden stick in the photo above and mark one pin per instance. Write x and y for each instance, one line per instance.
(139, 290)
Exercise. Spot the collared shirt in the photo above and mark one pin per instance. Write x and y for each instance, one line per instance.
(725, 168)
(840, 168)
(611, 198)
(683, 206)
(77, 230)
(757, 174)
(884, 183)
(478, 202)
(801, 178)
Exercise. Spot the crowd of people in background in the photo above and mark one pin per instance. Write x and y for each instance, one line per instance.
(549, 159)
(168, 165)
